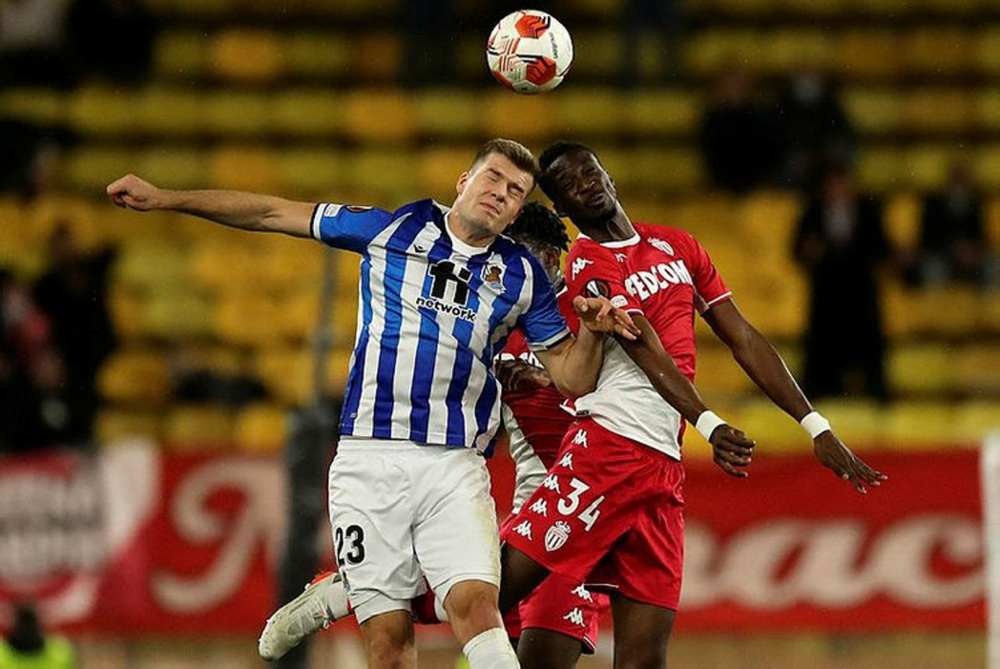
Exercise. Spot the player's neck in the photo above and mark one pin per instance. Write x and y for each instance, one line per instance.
(463, 232)
(616, 227)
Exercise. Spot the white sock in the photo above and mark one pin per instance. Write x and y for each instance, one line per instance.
(491, 650)
(439, 611)
(335, 598)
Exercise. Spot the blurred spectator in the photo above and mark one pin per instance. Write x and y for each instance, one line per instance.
(29, 154)
(953, 244)
(737, 135)
(193, 382)
(33, 411)
(27, 646)
(113, 38)
(840, 243)
(73, 294)
(649, 21)
(33, 48)
(817, 130)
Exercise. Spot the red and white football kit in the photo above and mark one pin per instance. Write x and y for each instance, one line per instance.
(610, 511)
(537, 421)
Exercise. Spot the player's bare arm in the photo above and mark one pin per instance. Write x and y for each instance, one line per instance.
(762, 363)
(520, 375)
(731, 448)
(575, 363)
(245, 211)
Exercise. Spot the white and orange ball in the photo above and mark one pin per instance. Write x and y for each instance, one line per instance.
(529, 51)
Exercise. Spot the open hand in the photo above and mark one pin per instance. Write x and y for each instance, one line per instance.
(132, 192)
(520, 375)
(832, 453)
(731, 450)
(597, 314)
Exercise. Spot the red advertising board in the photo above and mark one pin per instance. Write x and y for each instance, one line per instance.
(140, 542)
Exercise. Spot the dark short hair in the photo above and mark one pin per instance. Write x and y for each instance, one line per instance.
(516, 152)
(551, 154)
(537, 225)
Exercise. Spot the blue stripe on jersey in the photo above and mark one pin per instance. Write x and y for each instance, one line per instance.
(463, 359)
(392, 282)
(356, 377)
(423, 375)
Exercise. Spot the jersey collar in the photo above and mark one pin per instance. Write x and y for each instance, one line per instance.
(618, 243)
(456, 243)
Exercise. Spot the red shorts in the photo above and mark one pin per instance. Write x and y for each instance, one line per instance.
(561, 605)
(610, 514)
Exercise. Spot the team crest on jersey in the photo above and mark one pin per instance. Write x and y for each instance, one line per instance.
(557, 535)
(662, 245)
(492, 276)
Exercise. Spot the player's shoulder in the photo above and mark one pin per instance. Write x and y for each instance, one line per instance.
(672, 240)
(421, 210)
(586, 248)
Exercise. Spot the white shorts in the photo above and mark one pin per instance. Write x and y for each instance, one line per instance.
(402, 512)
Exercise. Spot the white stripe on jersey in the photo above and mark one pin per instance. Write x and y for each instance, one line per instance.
(409, 331)
(376, 283)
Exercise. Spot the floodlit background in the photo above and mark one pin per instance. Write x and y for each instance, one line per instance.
(839, 159)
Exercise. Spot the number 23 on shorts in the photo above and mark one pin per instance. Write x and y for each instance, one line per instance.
(350, 544)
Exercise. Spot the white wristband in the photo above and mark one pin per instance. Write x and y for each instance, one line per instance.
(814, 424)
(707, 422)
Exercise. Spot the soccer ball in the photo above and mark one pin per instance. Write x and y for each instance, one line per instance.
(529, 51)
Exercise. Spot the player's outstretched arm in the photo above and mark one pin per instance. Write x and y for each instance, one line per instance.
(762, 363)
(575, 363)
(731, 448)
(246, 211)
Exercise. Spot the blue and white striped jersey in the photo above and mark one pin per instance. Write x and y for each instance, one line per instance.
(432, 312)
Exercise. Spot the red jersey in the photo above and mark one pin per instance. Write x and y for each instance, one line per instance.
(535, 419)
(666, 275)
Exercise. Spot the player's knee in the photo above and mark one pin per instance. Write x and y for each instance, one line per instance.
(472, 608)
(389, 641)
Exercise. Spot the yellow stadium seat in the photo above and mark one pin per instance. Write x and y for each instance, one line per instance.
(874, 110)
(181, 54)
(196, 427)
(659, 170)
(150, 267)
(987, 165)
(287, 372)
(596, 111)
(383, 116)
(136, 376)
(718, 375)
(976, 419)
(902, 219)
(938, 51)
(249, 320)
(714, 51)
(988, 109)
(597, 53)
(172, 167)
(237, 113)
(976, 368)
(38, 105)
(245, 54)
(171, 111)
(787, 49)
(989, 314)
(527, 117)
(868, 54)
(438, 170)
(337, 368)
(261, 428)
(178, 314)
(238, 167)
(926, 166)
(918, 425)
(770, 427)
(116, 424)
(935, 110)
(881, 168)
(986, 47)
(952, 8)
(318, 55)
(389, 172)
(319, 174)
(306, 112)
(947, 311)
(818, 10)
(920, 368)
(661, 112)
(856, 421)
(91, 168)
(886, 8)
(375, 56)
(102, 109)
(448, 113)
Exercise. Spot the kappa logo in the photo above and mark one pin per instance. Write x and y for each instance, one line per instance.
(552, 483)
(575, 616)
(583, 593)
(567, 461)
(524, 529)
(621, 257)
(580, 438)
(662, 245)
(578, 266)
(540, 507)
(557, 535)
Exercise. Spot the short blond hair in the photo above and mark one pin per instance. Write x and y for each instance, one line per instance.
(516, 152)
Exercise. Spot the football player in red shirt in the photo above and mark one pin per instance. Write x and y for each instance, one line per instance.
(609, 512)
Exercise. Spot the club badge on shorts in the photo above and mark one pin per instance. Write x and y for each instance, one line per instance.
(556, 535)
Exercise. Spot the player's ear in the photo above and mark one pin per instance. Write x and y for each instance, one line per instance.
(462, 182)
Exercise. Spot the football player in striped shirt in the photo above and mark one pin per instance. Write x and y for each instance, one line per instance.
(441, 289)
